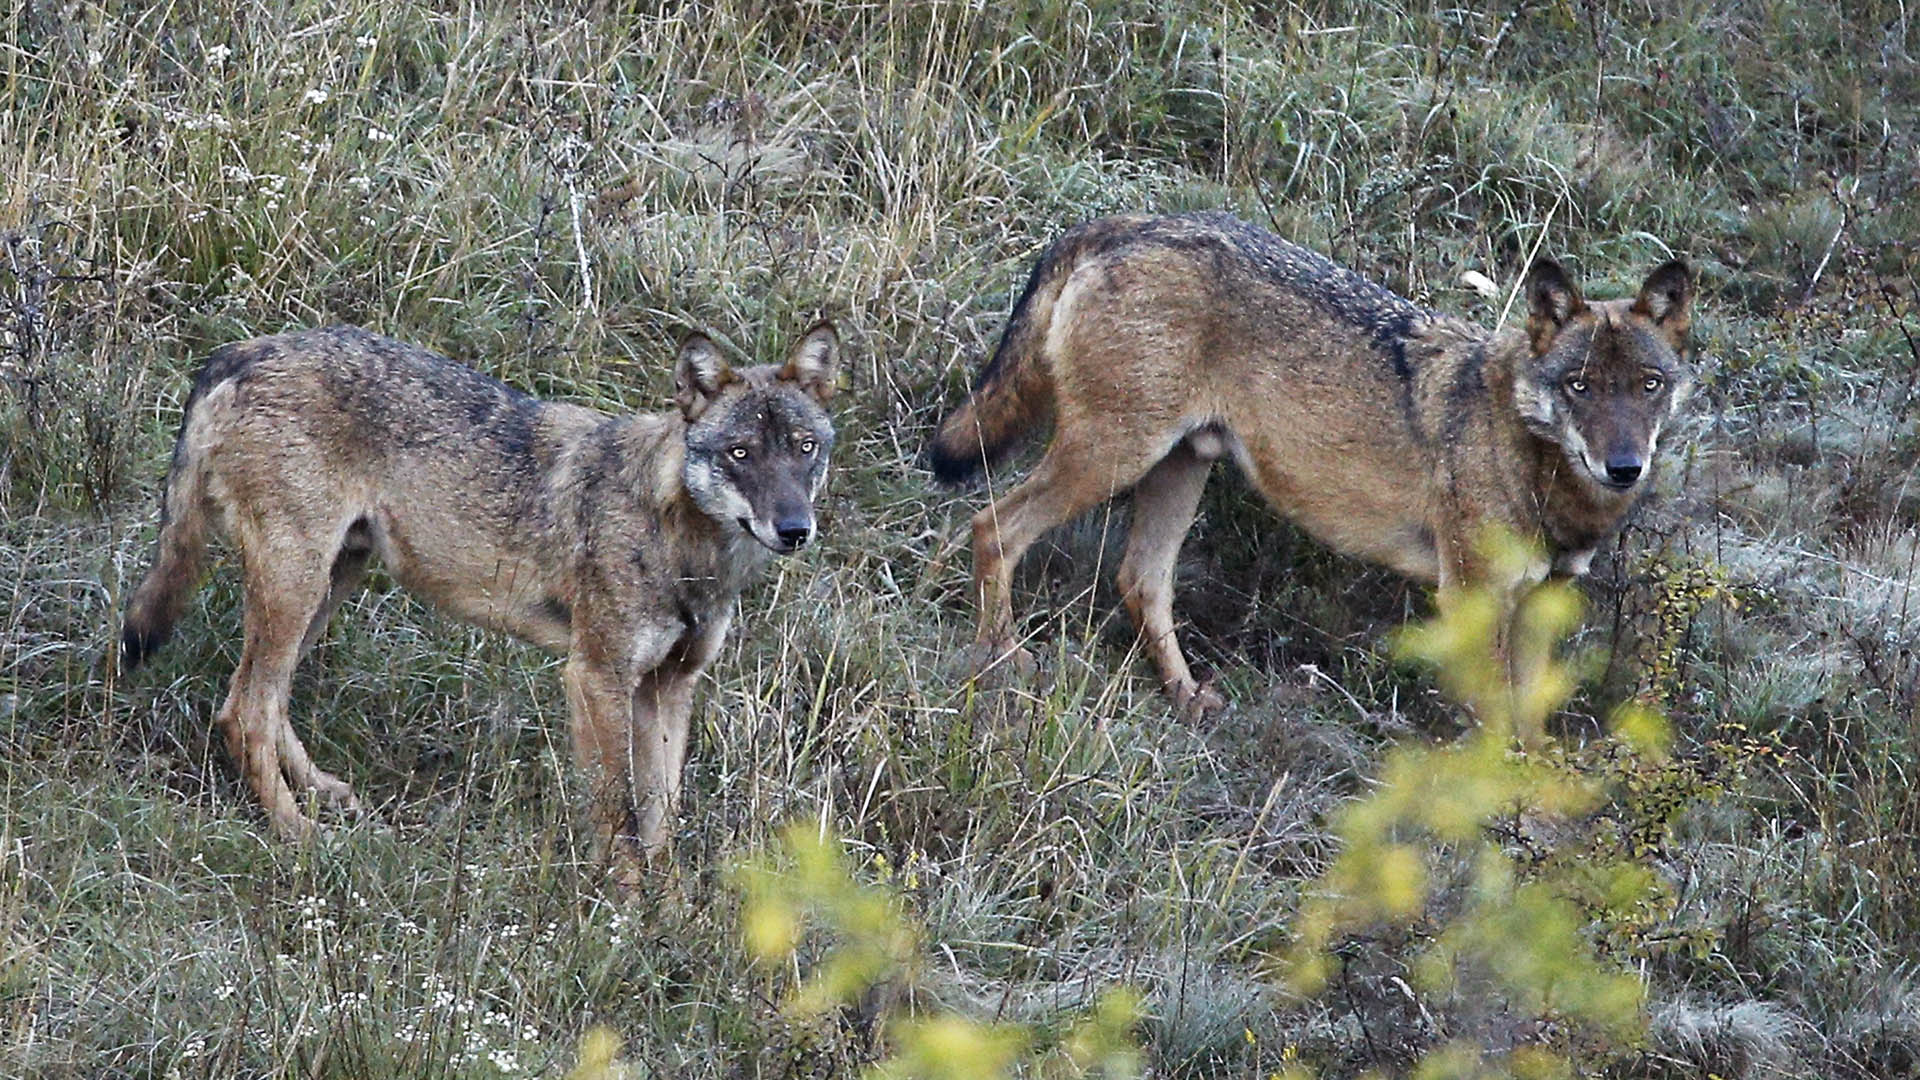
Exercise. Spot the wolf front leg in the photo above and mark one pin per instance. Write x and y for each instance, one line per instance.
(1477, 559)
(600, 677)
(662, 719)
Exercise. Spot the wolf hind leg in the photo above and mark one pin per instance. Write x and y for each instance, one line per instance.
(1072, 477)
(286, 585)
(1164, 504)
(348, 574)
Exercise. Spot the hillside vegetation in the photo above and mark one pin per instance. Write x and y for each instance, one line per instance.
(553, 192)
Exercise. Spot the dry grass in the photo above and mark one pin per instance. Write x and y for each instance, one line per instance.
(550, 194)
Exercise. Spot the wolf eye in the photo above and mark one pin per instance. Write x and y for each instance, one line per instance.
(1653, 384)
(1576, 385)
(739, 453)
(806, 446)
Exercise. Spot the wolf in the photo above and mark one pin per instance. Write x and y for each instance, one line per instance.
(620, 541)
(1157, 345)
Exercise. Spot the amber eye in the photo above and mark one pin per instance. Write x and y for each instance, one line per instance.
(806, 446)
(739, 453)
(1576, 385)
(1653, 384)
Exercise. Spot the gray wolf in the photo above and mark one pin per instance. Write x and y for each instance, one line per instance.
(621, 541)
(1156, 345)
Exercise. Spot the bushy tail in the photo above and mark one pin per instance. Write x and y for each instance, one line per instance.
(180, 557)
(1014, 391)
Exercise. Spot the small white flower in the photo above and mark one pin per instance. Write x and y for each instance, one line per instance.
(317, 96)
(94, 57)
(217, 55)
(366, 41)
(374, 134)
(361, 184)
(224, 991)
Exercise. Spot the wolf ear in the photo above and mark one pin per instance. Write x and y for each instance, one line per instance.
(1551, 301)
(699, 374)
(1666, 298)
(815, 362)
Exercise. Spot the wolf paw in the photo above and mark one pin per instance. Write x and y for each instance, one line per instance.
(1195, 702)
(638, 872)
(323, 788)
(335, 794)
(293, 827)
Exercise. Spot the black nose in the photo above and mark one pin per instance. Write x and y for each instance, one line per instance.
(793, 533)
(1622, 472)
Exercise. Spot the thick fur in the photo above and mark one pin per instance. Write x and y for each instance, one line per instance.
(1155, 345)
(622, 542)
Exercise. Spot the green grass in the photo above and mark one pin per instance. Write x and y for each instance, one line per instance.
(551, 194)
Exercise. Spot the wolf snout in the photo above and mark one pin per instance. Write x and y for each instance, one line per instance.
(1623, 470)
(794, 532)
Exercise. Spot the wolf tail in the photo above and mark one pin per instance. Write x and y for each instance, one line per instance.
(180, 555)
(1014, 391)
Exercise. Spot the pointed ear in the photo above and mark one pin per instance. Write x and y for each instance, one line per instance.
(1551, 301)
(815, 362)
(698, 375)
(1667, 299)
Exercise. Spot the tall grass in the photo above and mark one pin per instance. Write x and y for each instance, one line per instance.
(551, 192)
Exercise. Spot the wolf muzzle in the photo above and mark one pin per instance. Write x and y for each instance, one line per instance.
(1623, 470)
(794, 531)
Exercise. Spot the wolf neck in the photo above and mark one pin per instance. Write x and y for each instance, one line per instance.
(1569, 513)
(707, 557)
(653, 452)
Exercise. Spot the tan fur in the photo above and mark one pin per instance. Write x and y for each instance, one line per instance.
(1391, 433)
(620, 541)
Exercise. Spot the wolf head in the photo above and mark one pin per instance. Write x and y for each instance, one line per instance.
(1604, 377)
(758, 437)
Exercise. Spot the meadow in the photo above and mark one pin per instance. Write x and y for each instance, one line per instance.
(552, 192)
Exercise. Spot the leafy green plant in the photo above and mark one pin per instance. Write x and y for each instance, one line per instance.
(806, 881)
(1528, 930)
